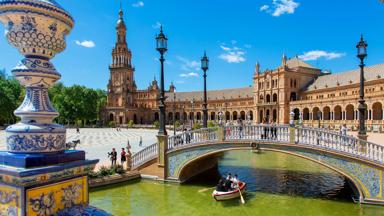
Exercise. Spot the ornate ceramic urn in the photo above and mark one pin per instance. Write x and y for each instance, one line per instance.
(37, 28)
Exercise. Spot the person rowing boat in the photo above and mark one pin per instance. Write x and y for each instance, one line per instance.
(220, 195)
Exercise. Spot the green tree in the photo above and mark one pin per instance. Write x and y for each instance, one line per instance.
(10, 98)
(78, 104)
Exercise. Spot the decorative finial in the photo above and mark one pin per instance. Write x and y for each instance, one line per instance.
(257, 68)
(284, 61)
(121, 13)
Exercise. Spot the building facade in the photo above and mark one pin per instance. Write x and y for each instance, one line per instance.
(315, 96)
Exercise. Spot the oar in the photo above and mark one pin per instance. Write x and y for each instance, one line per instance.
(241, 195)
(206, 189)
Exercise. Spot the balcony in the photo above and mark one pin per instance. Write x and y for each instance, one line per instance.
(264, 104)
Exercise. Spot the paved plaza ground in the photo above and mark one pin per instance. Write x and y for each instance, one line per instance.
(97, 142)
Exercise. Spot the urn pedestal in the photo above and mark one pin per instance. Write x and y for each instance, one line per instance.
(38, 176)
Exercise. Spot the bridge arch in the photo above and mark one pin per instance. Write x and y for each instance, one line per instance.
(360, 161)
(199, 164)
(208, 160)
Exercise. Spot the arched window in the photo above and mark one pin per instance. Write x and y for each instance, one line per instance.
(268, 98)
(350, 112)
(327, 113)
(274, 98)
(377, 111)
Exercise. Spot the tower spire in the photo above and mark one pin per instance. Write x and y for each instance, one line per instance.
(121, 9)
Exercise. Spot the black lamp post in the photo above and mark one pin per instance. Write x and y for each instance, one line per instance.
(204, 67)
(319, 118)
(362, 54)
(161, 46)
(193, 112)
(174, 113)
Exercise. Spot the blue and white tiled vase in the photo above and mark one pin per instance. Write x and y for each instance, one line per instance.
(37, 28)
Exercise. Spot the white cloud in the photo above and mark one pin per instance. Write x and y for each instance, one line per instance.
(188, 65)
(232, 54)
(316, 54)
(86, 43)
(264, 7)
(280, 7)
(157, 25)
(191, 74)
(248, 46)
(138, 4)
(225, 48)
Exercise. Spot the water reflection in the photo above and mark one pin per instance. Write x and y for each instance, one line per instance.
(279, 184)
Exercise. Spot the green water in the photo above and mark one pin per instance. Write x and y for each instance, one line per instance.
(278, 184)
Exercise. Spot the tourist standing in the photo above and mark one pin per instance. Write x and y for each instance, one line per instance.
(228, 129)
(344, 130)
(141, 141)
(77, 129)
(240, 128)
(265, 128)
(122, 155)
(274, 129)
(113, 157)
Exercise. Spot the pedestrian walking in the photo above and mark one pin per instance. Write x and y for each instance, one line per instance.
(141, 141)
(77, 130)
(122, 155)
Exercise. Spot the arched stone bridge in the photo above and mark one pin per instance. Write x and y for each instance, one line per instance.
(177, 158)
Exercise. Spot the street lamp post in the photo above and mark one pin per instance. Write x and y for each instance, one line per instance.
(193, 113)
(362, 54)
(174, 113)
(204, 67)
(319, 119)
(184, 117)
(161, 46)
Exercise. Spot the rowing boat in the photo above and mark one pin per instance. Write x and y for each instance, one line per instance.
(227, 195)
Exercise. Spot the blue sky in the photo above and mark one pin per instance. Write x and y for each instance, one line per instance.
(235, 35)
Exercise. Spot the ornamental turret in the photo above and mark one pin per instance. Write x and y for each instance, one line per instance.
(257, 69)
(284, 61)
(172, 88)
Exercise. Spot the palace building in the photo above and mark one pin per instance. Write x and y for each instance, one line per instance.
(315, 96)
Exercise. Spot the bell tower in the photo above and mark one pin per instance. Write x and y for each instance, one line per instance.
(121, 83)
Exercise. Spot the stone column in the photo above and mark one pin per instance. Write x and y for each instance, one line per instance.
(382, 114)
(162, 141)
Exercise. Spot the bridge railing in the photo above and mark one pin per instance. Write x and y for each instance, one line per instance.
(313, 137)
(261, 133)
(147, 154)
(193, 138)
(344, 144)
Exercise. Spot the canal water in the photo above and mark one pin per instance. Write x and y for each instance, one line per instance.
(278, 184)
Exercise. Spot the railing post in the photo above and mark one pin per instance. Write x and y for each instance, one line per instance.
(221, 133)
(162, 142)
(292, 127)
(362, 147)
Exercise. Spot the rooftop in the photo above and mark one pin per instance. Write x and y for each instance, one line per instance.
(373, 72)
(246, 92)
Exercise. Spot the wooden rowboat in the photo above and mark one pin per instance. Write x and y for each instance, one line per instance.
(221, 195)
